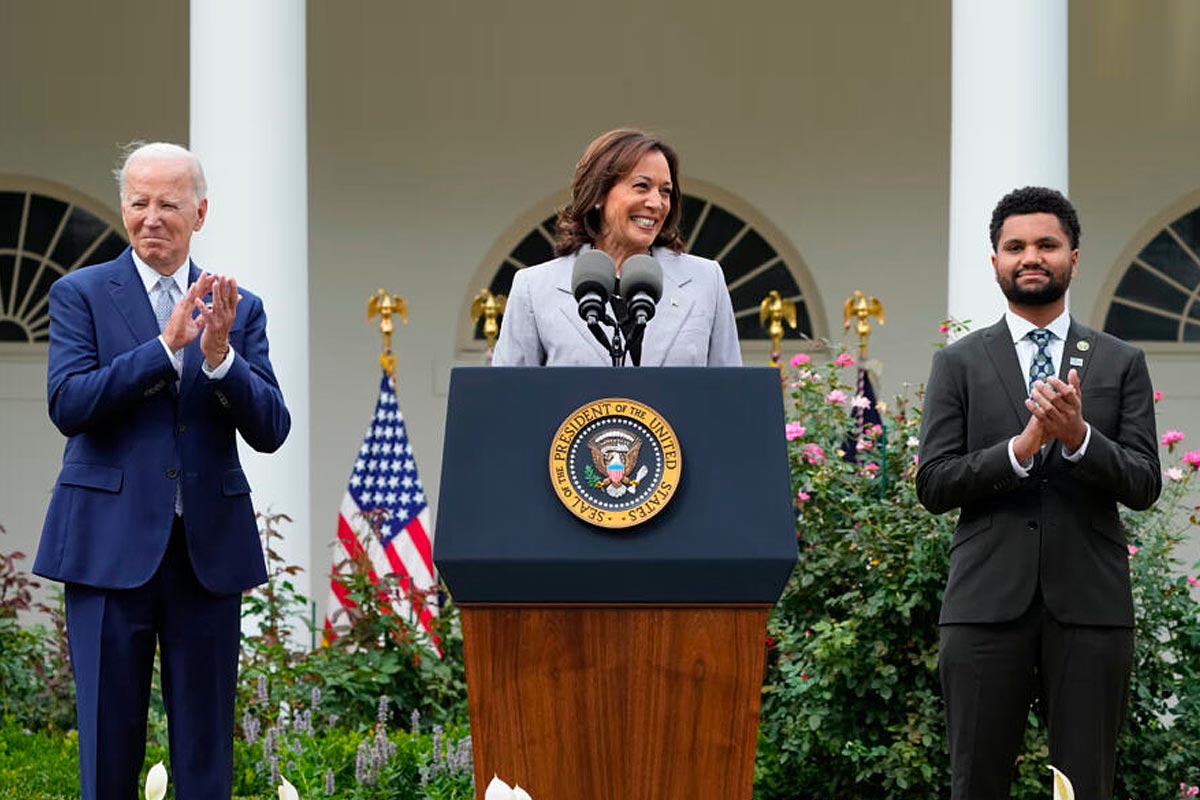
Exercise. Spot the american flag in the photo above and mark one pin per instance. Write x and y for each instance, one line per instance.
(385, 478)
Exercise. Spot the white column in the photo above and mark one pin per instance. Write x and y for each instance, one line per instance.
(248, 126)
(1008, 128)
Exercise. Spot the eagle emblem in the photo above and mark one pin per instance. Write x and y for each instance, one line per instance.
(615, 457)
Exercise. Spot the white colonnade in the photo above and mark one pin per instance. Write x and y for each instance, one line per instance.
(248, 124)
(1008, 128)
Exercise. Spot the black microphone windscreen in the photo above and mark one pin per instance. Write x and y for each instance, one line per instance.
(641, 274)
(594, 271)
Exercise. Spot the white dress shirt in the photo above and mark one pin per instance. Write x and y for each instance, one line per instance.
(150, 278)
(1026, 348)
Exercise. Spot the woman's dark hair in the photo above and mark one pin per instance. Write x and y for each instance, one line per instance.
(610, 157)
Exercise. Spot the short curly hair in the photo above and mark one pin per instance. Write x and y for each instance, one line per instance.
(610, 157)
(1035, 200)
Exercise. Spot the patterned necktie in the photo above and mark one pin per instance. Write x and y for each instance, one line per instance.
(165, 300)
(1041, 368)
(164, 303)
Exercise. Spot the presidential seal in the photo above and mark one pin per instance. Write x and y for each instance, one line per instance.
(615, 462)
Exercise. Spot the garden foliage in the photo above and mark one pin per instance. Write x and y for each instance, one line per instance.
(850, 706)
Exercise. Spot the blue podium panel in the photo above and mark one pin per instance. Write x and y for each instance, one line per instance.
(503, 535)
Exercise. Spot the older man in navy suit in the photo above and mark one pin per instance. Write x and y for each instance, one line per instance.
(153, 368)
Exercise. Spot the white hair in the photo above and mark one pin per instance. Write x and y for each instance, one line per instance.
(165, 151)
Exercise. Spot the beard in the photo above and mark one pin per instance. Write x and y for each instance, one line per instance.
(1049, 292)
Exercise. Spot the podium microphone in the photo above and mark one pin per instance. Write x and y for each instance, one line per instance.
(593, 279)
(641, 286)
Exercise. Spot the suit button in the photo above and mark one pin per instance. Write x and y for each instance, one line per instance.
(1032, 525)
(180, 428)
(172, 474)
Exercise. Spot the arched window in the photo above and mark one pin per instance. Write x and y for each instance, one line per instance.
(1156, 296)
(755, 257)
(46, 231)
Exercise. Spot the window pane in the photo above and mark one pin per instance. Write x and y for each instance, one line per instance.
(1165, 255)
(1145, 287)
(1133, 323)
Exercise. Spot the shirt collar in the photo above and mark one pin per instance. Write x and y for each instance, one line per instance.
(150, 276)
(1019, 327)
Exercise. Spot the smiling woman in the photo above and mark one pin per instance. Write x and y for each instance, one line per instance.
(625, 202)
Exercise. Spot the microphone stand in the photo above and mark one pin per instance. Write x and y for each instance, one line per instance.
(634, 345)
(615, 348)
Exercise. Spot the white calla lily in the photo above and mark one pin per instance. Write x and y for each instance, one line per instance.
(498, 790)
(287, 791)
(156, 782)
(1063, 790)
(519, 793)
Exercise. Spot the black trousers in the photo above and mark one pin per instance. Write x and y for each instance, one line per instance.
(990, 673)
(113, 634)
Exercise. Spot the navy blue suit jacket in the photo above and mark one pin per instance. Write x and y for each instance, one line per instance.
(133, 436)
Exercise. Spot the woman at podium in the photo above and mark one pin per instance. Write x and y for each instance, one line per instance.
(624, 211)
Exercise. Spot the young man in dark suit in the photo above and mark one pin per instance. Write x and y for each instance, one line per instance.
(1036, 428)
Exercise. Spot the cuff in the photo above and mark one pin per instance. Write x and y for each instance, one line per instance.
(219, 371)
(1078, 454)
(1019, 469)
(175, 357)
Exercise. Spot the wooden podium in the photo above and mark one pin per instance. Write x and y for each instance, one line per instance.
(615, 663)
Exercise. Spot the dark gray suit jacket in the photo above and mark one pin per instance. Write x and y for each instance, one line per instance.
(1057, 528)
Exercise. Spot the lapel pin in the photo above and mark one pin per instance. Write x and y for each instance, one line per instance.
(674, 303)
(1082, 346)
(1076, 361)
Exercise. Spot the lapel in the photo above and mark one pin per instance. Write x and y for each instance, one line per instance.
(1076, 335)
(129, 296)
(192, 357)
(569, 309)
(1080, 345)
(999, 345)
(674, 308)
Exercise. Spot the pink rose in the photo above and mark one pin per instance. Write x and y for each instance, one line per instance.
(1192, 582)
(793, 430)
(844, 360)
(1173, 474)
(1170, 438)
(1192, 459)
(1157, 395)
(837, 397)
(860, 401)
(800, 359)
(813, 453)
(871, 469)
(1132, 550)
(943, 328)
(803, 496)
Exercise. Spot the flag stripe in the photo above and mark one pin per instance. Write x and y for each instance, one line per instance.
(384, 478)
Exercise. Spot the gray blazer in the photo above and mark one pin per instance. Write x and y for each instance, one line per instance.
(693, 326)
